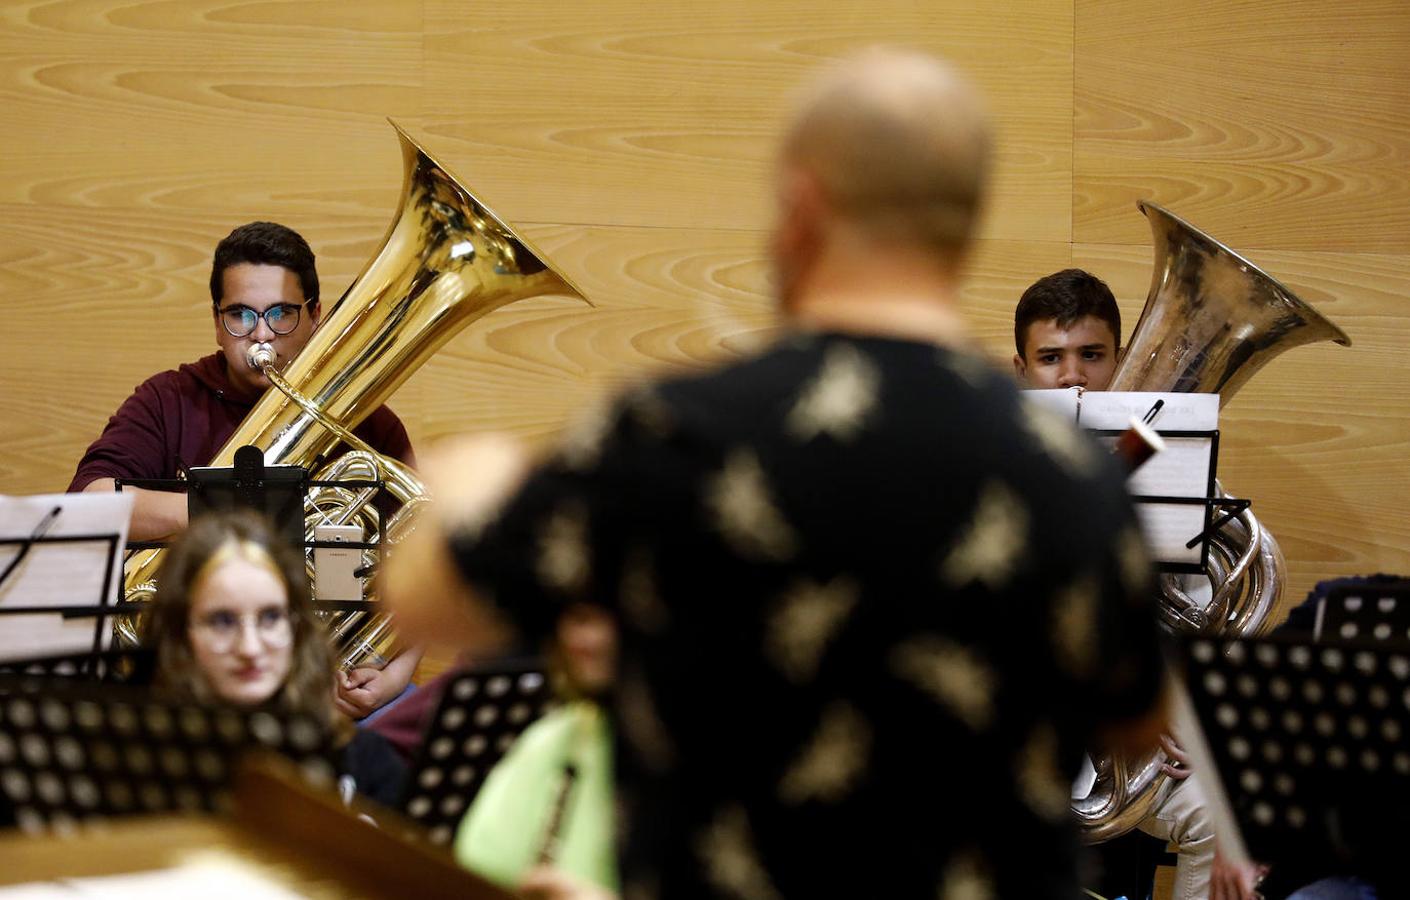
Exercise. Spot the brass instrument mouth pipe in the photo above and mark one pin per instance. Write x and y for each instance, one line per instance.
(266, 366)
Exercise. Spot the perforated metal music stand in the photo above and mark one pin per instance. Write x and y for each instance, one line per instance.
(1374, 612)
(73, 752)
(481, 713)
(1310, 743)
(134, 666)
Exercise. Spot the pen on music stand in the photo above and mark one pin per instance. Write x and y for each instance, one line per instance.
(1154, 411)
(39, 531)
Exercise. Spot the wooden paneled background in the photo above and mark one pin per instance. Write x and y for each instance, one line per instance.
(632, 140)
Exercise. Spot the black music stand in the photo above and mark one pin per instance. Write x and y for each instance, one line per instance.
(275, 491)
(481, 713)
(134, 666)
(1310, 743)
(74, 752)
(1375, 612)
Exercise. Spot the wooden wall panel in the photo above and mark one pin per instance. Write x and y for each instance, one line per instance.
(1275, 123)
(633, 141)
(667, 301)
(1281, 128)
(242, 106)
(668, 114)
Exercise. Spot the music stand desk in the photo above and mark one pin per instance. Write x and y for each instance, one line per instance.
(304, 840)
(482, 711)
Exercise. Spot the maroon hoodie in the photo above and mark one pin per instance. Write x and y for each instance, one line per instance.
(183, 416)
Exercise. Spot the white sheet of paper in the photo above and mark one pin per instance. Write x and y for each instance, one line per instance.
(1167, 527)
(1062, 401)
(1181, 470)
(1102, 410)
(67, 574)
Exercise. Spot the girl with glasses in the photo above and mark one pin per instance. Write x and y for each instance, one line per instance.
(232, 623)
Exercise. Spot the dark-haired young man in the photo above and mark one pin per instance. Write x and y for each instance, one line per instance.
(264, 287)
(1067, 332)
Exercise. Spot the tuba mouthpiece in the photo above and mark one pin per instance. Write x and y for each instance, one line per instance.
(260, 355)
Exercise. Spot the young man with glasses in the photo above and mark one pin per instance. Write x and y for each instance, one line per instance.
(264, 289)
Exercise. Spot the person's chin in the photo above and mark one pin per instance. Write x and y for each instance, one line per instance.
(249, 692)
(245, 379)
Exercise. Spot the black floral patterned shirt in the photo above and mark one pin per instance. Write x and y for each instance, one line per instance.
(872, 608)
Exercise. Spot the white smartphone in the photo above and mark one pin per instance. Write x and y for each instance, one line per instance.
(333, 567)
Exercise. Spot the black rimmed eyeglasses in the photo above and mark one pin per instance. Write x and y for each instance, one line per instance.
(240, 320)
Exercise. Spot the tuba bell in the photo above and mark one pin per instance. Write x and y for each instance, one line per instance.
(1211, 320)
(445, 261)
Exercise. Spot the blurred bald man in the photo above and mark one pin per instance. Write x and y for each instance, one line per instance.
(863, 637)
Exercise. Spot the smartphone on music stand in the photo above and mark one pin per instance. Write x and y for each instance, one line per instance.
(334, 568)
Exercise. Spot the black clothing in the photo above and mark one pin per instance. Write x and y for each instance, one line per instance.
(873, 608)
(376, 769)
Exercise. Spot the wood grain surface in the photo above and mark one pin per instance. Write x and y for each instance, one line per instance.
(667, 114)
(1274, 123)
(634, 142)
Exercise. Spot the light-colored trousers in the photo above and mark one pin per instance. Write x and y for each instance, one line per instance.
(1180, 816)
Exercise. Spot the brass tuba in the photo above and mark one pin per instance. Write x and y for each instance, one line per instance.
(1211, 320)
(445, 261)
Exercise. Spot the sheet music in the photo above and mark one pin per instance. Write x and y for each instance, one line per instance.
(58, 574)
(1181, 470)
(1167, 527)
(1114, 410)
(1061, 401)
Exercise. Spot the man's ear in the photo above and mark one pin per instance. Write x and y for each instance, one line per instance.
(1020, 369)
(812, 202)
(315, 312)
(797, 237)
(798, 214)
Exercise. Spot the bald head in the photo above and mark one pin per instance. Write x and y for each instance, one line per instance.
(898, 144)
